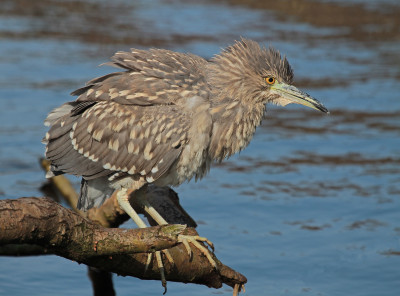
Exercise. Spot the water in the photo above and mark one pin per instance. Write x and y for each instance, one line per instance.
(311, 207)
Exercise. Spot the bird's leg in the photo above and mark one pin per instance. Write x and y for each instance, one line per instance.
(185, 239)
(123, 201)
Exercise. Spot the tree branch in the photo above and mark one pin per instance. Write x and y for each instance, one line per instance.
(60, 231)
(43, 222)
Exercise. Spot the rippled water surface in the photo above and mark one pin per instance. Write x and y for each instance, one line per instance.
(311, 207)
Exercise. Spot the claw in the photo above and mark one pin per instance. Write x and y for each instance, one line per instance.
(185, 239)
(188, 248)
(160, 265)
(238, 288)
(169, 257)
(149, 258)
(161, 268)
(204, 240)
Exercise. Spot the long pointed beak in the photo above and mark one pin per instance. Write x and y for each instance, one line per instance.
(294, 95)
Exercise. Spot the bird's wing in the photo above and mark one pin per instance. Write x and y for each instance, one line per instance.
(152, 77)
(130, 122)
(108, 138)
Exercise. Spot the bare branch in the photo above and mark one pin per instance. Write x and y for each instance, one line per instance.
(43, 222)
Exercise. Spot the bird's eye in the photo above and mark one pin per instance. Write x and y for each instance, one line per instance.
(270, 80)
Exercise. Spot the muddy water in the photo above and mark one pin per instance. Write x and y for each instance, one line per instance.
(311, 207)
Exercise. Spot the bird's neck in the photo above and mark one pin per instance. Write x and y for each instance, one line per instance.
(233, 128)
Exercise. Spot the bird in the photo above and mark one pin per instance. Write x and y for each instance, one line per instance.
(164, 118)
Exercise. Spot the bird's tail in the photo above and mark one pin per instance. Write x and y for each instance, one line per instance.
(93, 193)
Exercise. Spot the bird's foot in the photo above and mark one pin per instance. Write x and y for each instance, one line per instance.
(238, 288)
(195, 240)
(160, 265)
(185, 240)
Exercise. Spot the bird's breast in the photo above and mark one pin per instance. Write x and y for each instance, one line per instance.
(233, 128)
(194, 160)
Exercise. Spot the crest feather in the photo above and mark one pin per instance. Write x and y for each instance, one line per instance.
(247, 56)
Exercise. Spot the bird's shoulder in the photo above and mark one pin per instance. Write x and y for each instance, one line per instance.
(151, 77)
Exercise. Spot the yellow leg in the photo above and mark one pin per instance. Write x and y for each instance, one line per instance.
(185, 239)
(123, 201)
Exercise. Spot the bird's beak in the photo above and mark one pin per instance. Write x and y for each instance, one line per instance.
(292, 94)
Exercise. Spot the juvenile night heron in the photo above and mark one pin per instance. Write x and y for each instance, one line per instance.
(164, 119)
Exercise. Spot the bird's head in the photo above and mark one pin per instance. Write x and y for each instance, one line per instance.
(253, 74)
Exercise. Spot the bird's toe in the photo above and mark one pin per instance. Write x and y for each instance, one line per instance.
(195, 240)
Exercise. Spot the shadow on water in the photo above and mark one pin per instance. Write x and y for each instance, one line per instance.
(310, 207)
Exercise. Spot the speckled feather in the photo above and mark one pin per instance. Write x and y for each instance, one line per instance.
(157, 76)
(163, 119)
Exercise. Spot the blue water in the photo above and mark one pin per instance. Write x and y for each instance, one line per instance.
(311, 207)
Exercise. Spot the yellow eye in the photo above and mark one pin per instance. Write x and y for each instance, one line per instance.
(270, 80)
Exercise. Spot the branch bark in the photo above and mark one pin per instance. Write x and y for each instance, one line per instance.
(53, 229)
(45, 223)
